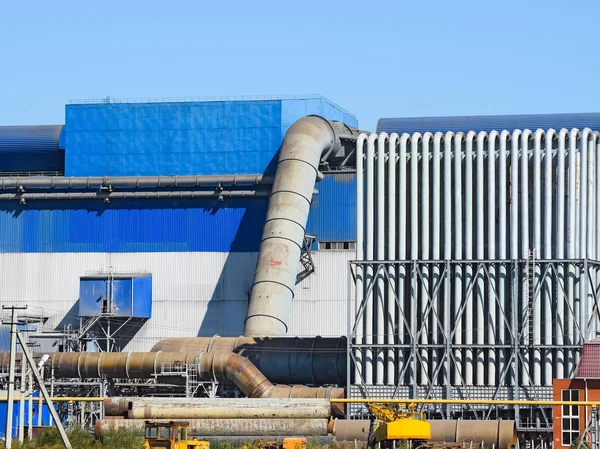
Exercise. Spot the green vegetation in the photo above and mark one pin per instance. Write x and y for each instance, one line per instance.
(82, 439)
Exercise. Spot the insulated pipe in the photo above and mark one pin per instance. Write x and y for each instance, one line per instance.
(549, 307)
(414, 247)
(492, 288)
(220, 194)
(512, 307)
(130, 181)
(402, 250)
(297, 171)
(503, 307)
(425, 287)
(501, 434)
(571, 245)
(360, 272)
(561, 306)
(380, 255)
(223, 367)
(539, 296)
(584, 304)
(231, 427)
(448, 312)
(370, 256)
(469, 331)
(458, 254)
(390, 309)
(480, 230)
(525, 138)
(435, 253)
(305, 361)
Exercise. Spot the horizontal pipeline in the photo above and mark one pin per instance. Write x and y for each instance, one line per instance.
(222, 412)
(231, 427)
(131, 181)
(108, 196)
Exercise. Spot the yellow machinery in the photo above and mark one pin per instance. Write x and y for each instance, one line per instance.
(171, 435)
(399, 424)
(288, 443)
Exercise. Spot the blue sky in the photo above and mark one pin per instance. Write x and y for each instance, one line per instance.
(376, 59)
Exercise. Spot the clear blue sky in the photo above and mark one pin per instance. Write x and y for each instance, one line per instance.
(376, 59)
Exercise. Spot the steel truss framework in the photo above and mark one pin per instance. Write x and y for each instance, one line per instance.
(427, 345)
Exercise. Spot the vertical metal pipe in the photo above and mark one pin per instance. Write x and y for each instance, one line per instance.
(590, 229)
(469, 325)
(548, 289)
(448, 312)
(414, 242)
(526, 243)
(390, 309)
(425, 247)
(537, 247)
(380, 286)
(597, 224)
(458, 255)
(369, 253)
(571, 245)
(492, 288)
(512, 302)
(435, 290)
(562, 311)
(480, 322)
(359, 295)
(503, 288)
(404, 299)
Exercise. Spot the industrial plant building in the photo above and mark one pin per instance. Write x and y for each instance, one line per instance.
(449, 257)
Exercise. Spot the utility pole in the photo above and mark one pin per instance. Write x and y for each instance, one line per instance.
(11, 373)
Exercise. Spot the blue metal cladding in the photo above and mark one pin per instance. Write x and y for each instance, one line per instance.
(144, 226)
(193, 138)
(489, 123)
(16, 415)
(132, 296)
(31, 148)
(332, 215)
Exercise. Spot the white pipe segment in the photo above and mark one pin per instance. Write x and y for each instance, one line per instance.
(425, 247)
(414, 234)
(369, 254)
(491, 321)
(359, 295)
(479, 297)
(390, 300)
(447, 309)
(458, 255)
(537, 245)
(562, 310)
(305, 142)
(380, 255)
(436, 233)
(469, 325)
(402, 199)
(503, 285)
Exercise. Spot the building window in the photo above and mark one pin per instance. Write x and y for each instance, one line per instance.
(570, 417)
(333, 246)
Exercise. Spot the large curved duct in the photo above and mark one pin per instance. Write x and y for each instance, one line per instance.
(305, 361)
(223, 367)
(306, 141)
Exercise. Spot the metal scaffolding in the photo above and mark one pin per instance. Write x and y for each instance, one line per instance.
(455, 329)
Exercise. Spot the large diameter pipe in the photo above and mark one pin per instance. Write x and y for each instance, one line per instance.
(501, 434)
(230, 427)
(216, 412)
(297, 171)
(305, 361)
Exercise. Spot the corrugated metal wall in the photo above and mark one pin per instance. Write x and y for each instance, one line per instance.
(488, 198)
(488, 123)
(192, 293)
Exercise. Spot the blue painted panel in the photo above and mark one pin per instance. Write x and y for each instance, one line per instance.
(123, 295)
(16, 415)
(91, 294)
(154, 226)
(489, 123)
(333, 211)
(172, 138)
(142, 297)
